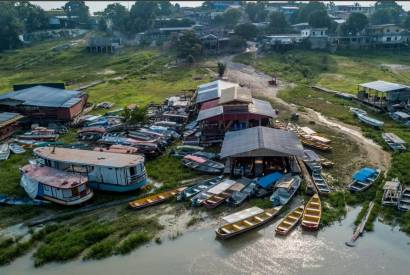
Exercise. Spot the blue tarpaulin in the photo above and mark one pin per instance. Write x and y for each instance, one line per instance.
(269, 180)
(363, 174)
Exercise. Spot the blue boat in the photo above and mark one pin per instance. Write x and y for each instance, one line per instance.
(239, 197)
(4, 199)
(265, 184)
(363, 179)
(285, 189)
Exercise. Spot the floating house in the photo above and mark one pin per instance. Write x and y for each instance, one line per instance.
(261, 150)
(9, 124)
(41, 182)
(383, 95)
(44, 103)
(391, 192)
(234, 110)
(104, 170)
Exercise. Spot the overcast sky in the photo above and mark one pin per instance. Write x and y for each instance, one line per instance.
(100, 5)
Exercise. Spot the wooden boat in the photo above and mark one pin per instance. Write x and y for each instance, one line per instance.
(404, 202)
(217, 200)
(312, 213)
(285, 189)
(183, 150)
(197, 188)
(290, 221)
(232, 229)
(360, 228)
(238, 198)
(218, 189)
(394, 142)
(202, 164)
(39, 134)
(315, 144)
(363, 179)
(391, 192)
(370, 121)
(16, 149)
(154, 199)
(320, 183)
(4, 151)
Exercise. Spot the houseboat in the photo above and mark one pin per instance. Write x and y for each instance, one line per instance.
(391, 192)
(118, 148)
(42, 182)
(104, 170)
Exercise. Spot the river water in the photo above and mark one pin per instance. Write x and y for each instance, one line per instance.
(384, 251)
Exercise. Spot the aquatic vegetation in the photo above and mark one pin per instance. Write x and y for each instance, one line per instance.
(261, 203)
(333, 208)
(133, 241)
(101, 250)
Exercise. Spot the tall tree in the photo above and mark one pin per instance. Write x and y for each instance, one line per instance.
(165, 8)
(77, 8)
(278, 23)
(189, 45)
(142, 15)
(406, 22)
(10, 26)
(319, 19)
(231, 17)
(256, 11)
(354, 24)
(382, 16)
(33, 17)
(308, 9)
(119, 16)
(246, 31)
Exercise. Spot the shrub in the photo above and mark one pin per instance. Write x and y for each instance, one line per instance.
(133, 241)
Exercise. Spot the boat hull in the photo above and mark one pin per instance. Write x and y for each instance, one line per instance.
(68, 203)
(117, 188)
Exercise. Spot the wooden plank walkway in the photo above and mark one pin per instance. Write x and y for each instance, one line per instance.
(360, 228)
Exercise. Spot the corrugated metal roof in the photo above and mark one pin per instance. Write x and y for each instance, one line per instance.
(7, 118)
(261, 141)
(259, 107)
(44, 96)
(235, 93)
(212, 90)
(383, 86)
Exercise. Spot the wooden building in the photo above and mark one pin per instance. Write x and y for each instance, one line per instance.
(9, 124)
(234, 110)
(384, 95)
(44, 103)
(260, 151)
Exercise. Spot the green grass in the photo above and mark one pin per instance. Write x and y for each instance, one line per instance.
(334, 208)
(133, 241)
(101, 250)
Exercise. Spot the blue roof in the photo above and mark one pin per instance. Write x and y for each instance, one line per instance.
(269, 180)
(363, 174)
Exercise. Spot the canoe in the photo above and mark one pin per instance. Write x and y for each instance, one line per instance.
(363, 179)
(203, 165)
(232, 229)
(315, 144)
(370, 121)
(16, 149)
(199, 187)
(357, 111)
(4, 151)
(285, 189)
(290, 221)
(218, 189)
(154, 199)
(320, 183)
(217, 200)
(312, 213)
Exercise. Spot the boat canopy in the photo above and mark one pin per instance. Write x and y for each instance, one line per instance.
(270, 179)
(364, 173)
(243, 214)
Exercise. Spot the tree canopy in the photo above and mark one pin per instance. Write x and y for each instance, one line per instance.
(77, 9)
(278, 23)
(232, 17)
(354, 24)
(308, 9)
(246, 31)
(10, 26)
(320, 19)
(142, 15)
(189, 45)
(33, 17)
(256, 11)
(119, 16)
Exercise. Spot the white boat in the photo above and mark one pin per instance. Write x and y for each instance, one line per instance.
(370, 121)
(4, 151)
(357, 111)
(404, 202)
(395, 143)
(16, 149)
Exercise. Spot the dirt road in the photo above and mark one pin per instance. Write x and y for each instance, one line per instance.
(257, 82)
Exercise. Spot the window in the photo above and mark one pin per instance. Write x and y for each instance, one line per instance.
(388, 30)
(132, 171)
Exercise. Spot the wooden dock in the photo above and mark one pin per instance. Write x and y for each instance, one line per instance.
(360, 228)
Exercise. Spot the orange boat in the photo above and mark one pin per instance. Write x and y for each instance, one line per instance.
(155, 199)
